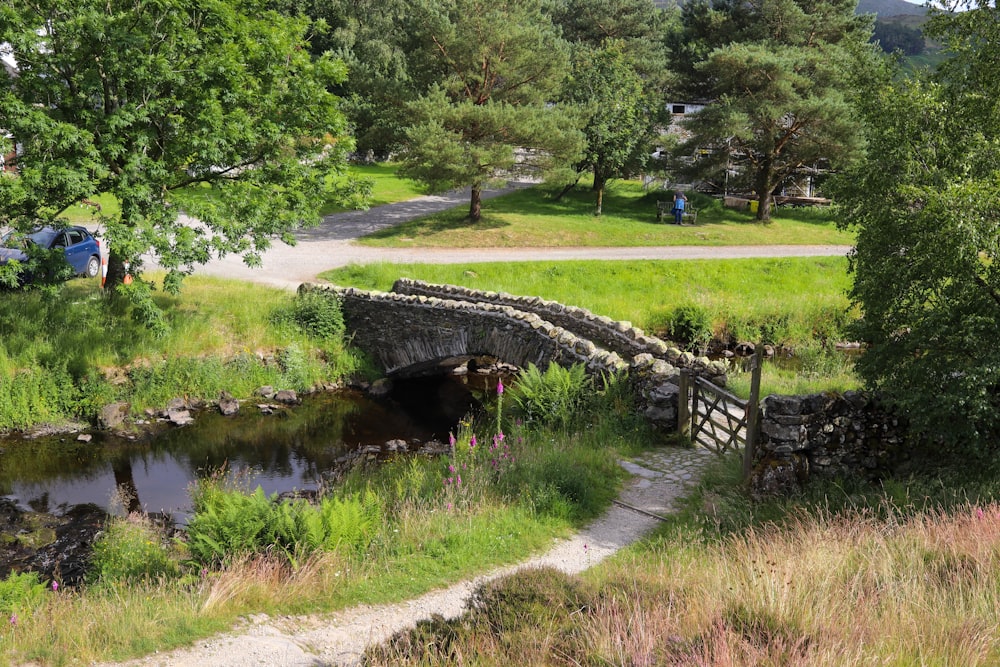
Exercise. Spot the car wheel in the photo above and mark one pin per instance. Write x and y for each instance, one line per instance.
(93, 267)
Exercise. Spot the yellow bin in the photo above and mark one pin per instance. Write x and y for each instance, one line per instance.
(753, 205)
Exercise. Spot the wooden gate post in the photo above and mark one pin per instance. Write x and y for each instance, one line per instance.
(753, 413)
(683, 411)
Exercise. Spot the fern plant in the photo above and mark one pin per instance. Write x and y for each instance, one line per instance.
(554, 396)
(229, 523)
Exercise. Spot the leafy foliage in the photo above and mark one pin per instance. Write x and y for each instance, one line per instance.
(318, 315)
(20, 592)
(228, 523)
(623, 113)
(142, 101)
(554, 396)
(690, 324)
(925, 204)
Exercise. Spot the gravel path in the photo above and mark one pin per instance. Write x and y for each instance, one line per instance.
(331, 245)
(659, 478)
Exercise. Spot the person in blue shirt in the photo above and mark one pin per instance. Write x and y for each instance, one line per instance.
(679, 202)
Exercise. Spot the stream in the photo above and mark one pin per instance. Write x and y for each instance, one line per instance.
(56, 491)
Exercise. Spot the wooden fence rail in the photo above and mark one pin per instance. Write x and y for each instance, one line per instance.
(716, 419)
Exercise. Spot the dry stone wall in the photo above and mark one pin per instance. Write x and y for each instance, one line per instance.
(825, 435)
(629, 342)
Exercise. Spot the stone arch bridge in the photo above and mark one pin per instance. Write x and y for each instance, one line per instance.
(417, 326)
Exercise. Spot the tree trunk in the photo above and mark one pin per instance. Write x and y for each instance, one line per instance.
(116, 272)
(599, 183)
(765, 184)
(476, 204)
(567, 188)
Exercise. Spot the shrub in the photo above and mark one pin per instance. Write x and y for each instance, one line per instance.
(131, 549)
(691, 325)
(553, 397)
(318, 315)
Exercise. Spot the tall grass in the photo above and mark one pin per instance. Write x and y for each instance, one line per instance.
(874, 584)
(64, 356)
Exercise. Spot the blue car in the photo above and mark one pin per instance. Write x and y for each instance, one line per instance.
(83, 251)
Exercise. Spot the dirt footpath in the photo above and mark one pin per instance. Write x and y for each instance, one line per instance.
(659, 478)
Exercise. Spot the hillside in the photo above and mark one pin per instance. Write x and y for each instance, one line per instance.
(886, 8)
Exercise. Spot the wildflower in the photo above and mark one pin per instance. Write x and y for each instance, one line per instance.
(451, 439)
(449, 506)
(472, 441)
(55, 586)
(458, 482)
(13, 620)
(449, 480)
(979, 512)
(451, 468)
(500, 386)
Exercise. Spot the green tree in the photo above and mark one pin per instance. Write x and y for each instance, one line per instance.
(623, 114)
(149, 101)
(636, 26)
(374, 40)
(778, 93)
(925, 204)
(489, 117)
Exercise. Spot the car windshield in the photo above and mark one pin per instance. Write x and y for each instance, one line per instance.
(42, 237)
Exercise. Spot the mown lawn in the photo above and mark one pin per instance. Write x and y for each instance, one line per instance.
(535, 218)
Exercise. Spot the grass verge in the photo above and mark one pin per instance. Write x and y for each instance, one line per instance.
(534, 218)
(795, 303)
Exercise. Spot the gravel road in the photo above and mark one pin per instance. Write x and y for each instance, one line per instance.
(331, 245)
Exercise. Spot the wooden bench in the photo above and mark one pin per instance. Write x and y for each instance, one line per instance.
(667, 208)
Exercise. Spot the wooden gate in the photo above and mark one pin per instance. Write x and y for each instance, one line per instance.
(716, 419)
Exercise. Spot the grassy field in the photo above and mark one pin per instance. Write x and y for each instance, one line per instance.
(797, 303)
(534, 218)
(387, 188)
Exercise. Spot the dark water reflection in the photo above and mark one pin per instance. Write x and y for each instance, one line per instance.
(288, 450)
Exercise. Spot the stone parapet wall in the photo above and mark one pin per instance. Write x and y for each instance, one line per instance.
(643, 351)
(410, 332)
(825, 435)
